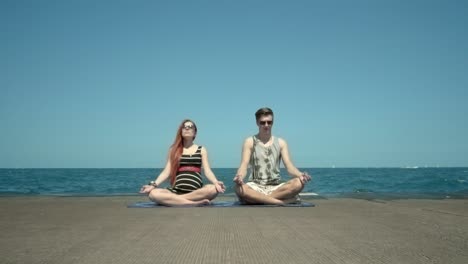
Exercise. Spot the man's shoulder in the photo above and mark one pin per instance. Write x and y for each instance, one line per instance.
(281, 141)
(279, 138)
(249, 140)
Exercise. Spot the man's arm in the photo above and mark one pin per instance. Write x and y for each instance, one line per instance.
(246, 152)
(290, 168)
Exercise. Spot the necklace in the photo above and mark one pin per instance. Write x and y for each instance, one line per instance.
(188, 151)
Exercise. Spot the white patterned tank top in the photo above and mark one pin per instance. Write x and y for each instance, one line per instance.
(265, 162)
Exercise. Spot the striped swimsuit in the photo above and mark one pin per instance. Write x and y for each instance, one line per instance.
(188, 181)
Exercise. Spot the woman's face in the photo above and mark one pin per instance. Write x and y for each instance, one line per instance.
(188, 130)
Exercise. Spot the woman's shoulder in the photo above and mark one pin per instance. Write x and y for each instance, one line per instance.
(201, 148)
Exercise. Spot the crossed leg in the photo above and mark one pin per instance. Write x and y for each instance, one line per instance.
(206, 192)
(289, 190)
(201, 196)
(280, 196)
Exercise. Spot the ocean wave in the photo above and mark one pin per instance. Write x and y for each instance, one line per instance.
(326, 182)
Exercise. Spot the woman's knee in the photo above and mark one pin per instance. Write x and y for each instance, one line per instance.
(211, 189)
(155, 194)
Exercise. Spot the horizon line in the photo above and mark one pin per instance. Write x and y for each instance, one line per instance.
(318, 167)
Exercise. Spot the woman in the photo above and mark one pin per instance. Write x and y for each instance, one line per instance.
(184, 163)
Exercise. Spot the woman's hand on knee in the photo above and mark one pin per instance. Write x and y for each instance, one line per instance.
(146, 189)
(220, 188)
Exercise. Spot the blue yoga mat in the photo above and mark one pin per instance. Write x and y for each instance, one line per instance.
(218, 204)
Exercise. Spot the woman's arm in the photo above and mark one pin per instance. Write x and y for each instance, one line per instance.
(209, 173)
(160, 179)
(164, 173)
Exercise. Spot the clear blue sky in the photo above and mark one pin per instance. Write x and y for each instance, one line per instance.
(352, 83)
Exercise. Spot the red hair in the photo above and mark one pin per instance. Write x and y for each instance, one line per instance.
(177, 148)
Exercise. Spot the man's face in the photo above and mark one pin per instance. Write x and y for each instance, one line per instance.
(265, 122)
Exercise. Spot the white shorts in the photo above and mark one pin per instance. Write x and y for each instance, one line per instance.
(268, 189)
(265, 189)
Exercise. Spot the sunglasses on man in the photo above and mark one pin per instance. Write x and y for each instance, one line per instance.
(265, 123)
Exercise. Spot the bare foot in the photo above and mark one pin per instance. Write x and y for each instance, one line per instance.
(273, 201)
(279, 202)
(293, 200)
(202, 202)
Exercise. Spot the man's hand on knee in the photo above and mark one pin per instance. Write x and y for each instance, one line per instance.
(305, 178)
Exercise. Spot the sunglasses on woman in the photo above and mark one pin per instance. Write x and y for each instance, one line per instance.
(188, 127)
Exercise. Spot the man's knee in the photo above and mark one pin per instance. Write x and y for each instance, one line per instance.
(239, 189)
(297, 184)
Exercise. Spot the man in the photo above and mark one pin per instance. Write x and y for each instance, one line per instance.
(264, 152)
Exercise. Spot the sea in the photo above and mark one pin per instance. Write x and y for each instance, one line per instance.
(365, 183)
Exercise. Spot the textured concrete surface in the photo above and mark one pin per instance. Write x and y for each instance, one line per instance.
(103, 230)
